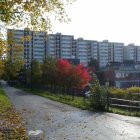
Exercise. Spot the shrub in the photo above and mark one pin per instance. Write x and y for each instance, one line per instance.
(133, 90)
(118, 93)
(98, 97)
(132, 93)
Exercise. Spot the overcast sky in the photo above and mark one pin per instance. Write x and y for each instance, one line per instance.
(113, 20)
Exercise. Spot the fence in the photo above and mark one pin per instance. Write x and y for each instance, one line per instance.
(122, 103)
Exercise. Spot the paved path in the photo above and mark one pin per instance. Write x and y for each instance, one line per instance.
(63, 122)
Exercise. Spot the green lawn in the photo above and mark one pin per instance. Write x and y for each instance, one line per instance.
(78, 102)
(63, 98)
(5, 104)
(10, 119)
(124, 111)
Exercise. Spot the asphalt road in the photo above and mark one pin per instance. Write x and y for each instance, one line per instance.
(63, 122)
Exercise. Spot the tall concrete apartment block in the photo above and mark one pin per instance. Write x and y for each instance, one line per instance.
(67, 47)
(132, 53)
(103, 53)
(108, 52)
(33, 48)
(116, 52)
(83, 48)
(61, 46)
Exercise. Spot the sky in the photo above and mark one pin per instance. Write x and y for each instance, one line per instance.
(113, 20)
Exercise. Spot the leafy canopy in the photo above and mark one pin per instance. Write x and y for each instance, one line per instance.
(3, 48)
(36, 14)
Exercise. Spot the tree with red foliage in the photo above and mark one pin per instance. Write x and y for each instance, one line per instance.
(82, 76)
(63, 71)
(72, 76)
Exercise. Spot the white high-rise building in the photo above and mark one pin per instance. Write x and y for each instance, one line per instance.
(33, 48)
(116, 52)
(82, 50)
(57, 45)
(15, 38)
(60, 46)
(137, 53)
(94, 50)
(130, 52)
(103, 51)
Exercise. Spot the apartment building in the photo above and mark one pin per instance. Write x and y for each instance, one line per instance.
(61, 46)
(33, 48)
(57, 45)
(83, 50)
(116, 51)
(65, 46)
(103, 53)
(94, 50)
(15, 40)
(137, 53)
(130, 52)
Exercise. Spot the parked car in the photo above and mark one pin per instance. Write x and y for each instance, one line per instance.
(88, 93)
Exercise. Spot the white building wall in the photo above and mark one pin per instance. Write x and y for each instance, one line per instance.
(117, 52)
(94, 50)
(16, 39)
(82, 51)
(130, 52)
(50, 46)
(103, 53)
(65, 46)
(138, 53)
(33, 48)
(38, 40)
(60, 46)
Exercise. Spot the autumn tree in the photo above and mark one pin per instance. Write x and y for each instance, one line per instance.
(15, 59)
(3, 48)
(34, 74)
(73, 76)
(36, 14)
(63, 71)
(48, 70)
(12, 69)
(79, 77)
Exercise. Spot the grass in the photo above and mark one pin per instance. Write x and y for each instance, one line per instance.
(5, 104)
(10, 120)
(124, 112)
(78, 102)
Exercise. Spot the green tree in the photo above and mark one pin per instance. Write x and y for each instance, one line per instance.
(3, 48)
(12, 69)
(14, 58)
(98, 98)
(36, 14)
(94, 63)
(49, 71)
(34, 74)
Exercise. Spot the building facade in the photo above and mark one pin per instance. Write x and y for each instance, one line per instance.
(116, 52)
(57, 45)
(33, 44)
(130, 52)
(121, 75)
